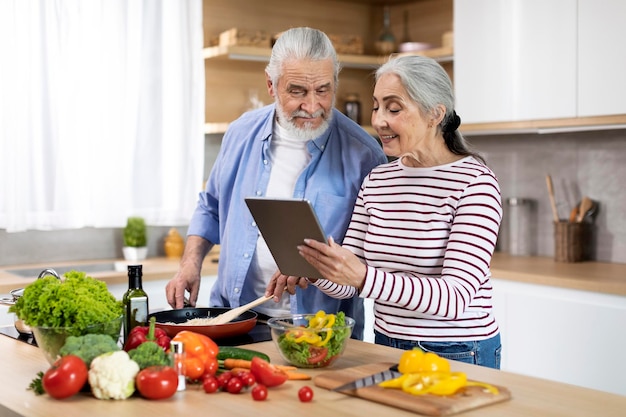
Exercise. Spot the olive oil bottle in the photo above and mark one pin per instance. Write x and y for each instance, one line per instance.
(135, 301)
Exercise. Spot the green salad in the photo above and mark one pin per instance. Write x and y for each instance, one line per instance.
(78, 301)
(318, 343)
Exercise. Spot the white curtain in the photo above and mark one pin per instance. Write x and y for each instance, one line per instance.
(101, 112)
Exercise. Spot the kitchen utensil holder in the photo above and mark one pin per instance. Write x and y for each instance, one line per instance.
(570, 240)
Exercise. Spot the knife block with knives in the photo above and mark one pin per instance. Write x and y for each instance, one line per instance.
(466, 399)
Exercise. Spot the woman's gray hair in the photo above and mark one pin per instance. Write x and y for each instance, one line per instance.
(301, 43)
(428, 85)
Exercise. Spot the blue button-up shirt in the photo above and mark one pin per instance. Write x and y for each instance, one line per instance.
(340, 159)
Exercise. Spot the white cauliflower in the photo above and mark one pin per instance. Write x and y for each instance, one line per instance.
(112, 376)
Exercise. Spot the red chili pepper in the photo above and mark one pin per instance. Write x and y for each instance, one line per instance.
(141, 334)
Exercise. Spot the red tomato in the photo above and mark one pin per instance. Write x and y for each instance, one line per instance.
(65, 377)
(223, 378)
(210, 384)
(305, 394)
(266, 373)
(247, 379)
(234, 385)
(157, 382)
(317, 354)
(259, 392)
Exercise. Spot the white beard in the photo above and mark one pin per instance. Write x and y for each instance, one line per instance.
(303, 133)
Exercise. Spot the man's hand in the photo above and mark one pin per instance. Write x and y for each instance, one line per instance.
(175, 289)
(188, 276)
(280, 283)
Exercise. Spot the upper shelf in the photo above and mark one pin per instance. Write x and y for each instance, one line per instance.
(251, 53)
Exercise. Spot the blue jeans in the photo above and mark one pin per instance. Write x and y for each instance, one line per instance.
(481, 352)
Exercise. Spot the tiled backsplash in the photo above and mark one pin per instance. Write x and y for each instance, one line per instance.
(583, 163)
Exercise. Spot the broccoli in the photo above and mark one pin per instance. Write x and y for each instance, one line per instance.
(149, 353)
(88, 346)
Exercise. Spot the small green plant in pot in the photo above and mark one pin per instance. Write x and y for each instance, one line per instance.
(135, 239)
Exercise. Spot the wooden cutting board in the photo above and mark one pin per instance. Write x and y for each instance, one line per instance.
(431, 405)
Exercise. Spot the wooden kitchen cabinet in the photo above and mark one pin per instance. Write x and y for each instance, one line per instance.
(561, 334)
(233, 73)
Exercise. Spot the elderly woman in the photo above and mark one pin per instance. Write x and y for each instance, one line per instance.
(424, 226)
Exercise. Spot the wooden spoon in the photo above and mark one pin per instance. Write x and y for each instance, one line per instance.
(555, 212)
(236, 312)
(585, 206)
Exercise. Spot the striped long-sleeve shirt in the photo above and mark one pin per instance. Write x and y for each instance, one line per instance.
(427, 236)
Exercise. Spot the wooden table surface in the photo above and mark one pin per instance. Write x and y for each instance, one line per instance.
(531, 396)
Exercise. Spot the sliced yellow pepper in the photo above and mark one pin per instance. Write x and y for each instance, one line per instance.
(394, 383)
(486, 386)
(308, 337)
(429, 373)
(326, 339)
(437, 383)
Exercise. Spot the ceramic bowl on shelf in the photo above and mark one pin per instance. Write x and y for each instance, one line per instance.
(310, 340)
(413, 46)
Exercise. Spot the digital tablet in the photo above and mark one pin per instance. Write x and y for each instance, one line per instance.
(284, 224)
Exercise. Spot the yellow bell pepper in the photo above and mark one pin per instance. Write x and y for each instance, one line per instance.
(415, 360)
(311, 333)
(429, 373)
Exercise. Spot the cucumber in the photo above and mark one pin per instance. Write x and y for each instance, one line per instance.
(229, 352)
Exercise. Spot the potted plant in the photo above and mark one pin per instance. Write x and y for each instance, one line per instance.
(135, 239)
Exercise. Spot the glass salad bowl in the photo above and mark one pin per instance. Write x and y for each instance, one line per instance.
(311, 340)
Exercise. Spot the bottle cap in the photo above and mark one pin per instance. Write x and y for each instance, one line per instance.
(177, 347)
(134, 268)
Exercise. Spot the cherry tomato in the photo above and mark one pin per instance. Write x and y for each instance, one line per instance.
(223, 378)
(234, 385)
(266, 373)
(65, 377)
(210, 384)
(259, 392)
(305, 394)
(247, 379)
(157, 382)
(316, 354)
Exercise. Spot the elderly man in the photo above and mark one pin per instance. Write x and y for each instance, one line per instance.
(300, 146)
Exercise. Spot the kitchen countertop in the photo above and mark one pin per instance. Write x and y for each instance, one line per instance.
(601, 277)
(530, 396)
(153, 269)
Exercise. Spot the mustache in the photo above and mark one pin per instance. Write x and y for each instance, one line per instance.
(302, 113)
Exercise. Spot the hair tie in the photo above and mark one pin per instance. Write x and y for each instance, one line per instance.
(453, 123)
